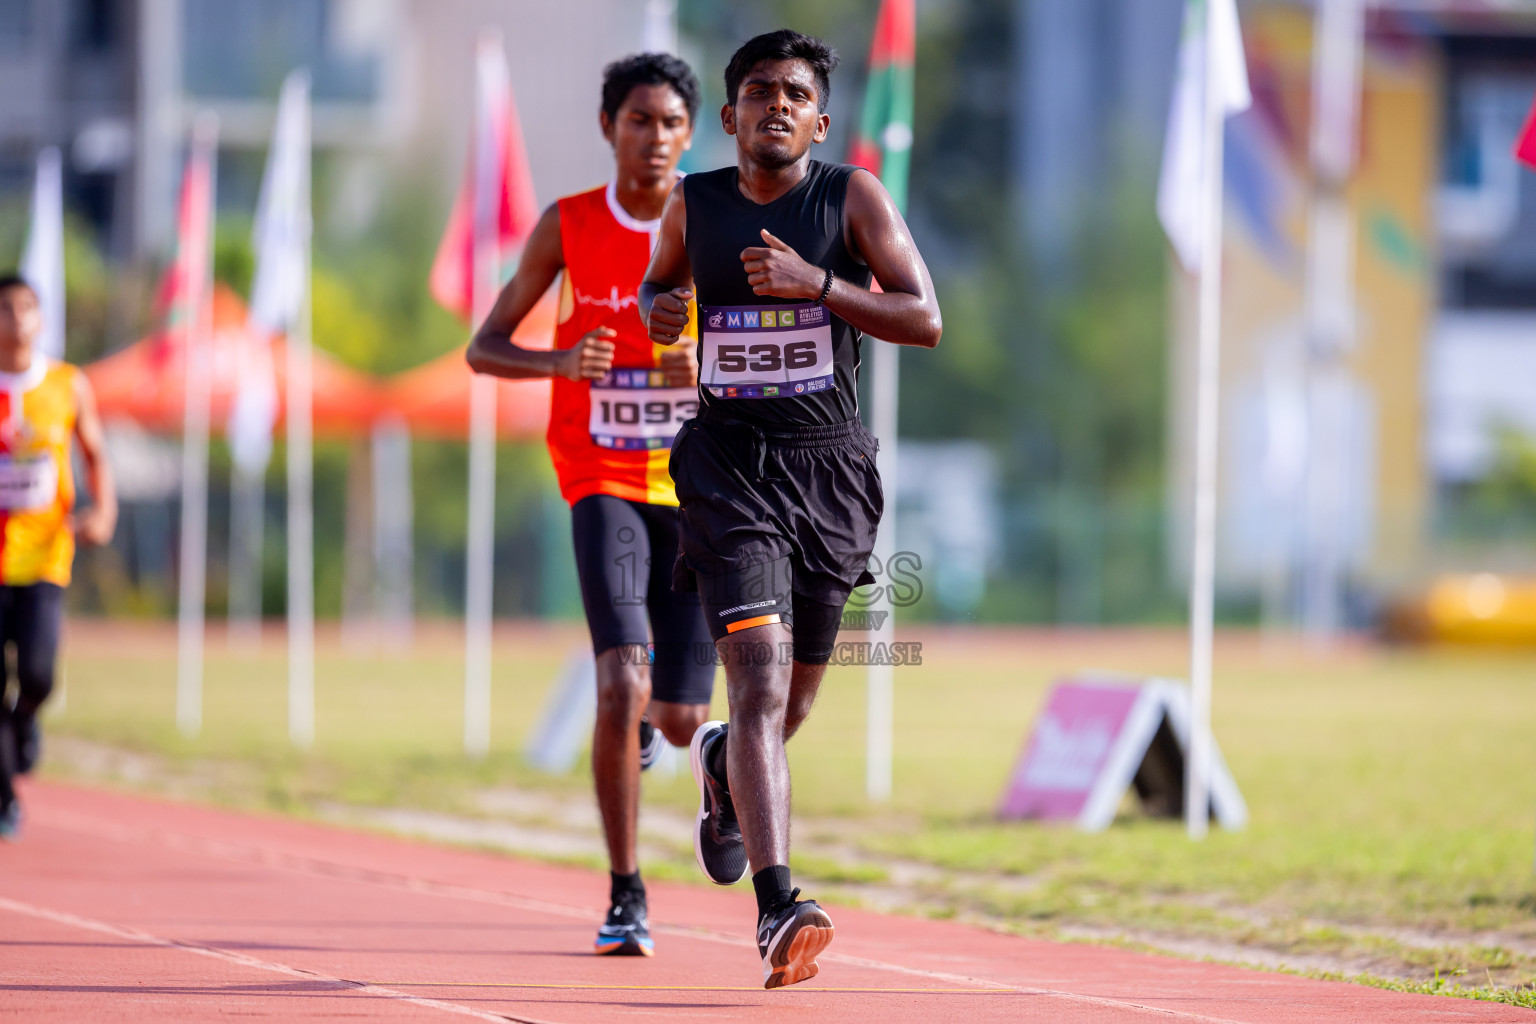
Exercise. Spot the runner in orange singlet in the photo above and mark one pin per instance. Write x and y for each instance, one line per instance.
(618, 400)
(43, 405)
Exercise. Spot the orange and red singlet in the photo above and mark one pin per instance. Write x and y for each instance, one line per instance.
(612, 436)
(37, 485)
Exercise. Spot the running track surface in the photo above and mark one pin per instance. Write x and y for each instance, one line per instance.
(131, 909)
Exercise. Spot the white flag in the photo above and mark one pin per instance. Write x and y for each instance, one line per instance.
(1183, 176)
(42, 261)
(281, 240)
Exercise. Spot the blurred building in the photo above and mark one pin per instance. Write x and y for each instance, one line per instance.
(68, 78)
(1091, 85)
(116, 84)
(1443, 354)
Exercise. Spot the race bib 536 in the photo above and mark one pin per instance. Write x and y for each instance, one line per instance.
(765, 351)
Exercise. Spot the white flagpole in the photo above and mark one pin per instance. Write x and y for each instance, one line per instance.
(478, 575)
(392, 517)
(197, 331)
(880, 697)
(1207, 412)
(480, 549)
(301, 536)
(42, 259)
(1338, 41)
(301, 506)
(247, 502)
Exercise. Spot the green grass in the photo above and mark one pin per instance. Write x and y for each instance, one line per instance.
(1439, 986)
(1392, 792)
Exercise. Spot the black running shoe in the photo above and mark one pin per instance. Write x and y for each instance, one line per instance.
(10, 822)
(651, 743)
(716, 834)
(624, 933)
(29, 745)
(789, 940)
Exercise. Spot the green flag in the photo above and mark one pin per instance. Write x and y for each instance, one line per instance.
(884, 142)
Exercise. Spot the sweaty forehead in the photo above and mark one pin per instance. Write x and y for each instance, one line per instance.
(788, 71)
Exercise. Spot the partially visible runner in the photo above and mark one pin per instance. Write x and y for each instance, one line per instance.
(43, 405)
(780, 495)
(618, 400)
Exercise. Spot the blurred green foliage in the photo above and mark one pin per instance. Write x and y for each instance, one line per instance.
(104, 305)
(1061, 369)
(371, 310)
(1501, 505)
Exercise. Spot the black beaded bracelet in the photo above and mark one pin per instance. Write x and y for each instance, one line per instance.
(826, 289)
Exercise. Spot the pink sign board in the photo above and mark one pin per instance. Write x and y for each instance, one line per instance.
(1068, 750)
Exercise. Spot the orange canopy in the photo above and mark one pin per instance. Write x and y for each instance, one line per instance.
(433, 399)
(147, 380)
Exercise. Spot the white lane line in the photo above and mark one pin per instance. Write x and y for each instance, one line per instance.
(315, 867)
(229, 956)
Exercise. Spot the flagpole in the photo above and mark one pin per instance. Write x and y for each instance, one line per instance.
(880, 715)
(1207, 412)
(1338, 37)
(42, 258)
(480, 548)
(883, 145)
(301, 506)
(197, 330)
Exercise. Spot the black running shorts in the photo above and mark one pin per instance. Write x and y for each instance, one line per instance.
(624, 556)
(30, 616)
(776, 526)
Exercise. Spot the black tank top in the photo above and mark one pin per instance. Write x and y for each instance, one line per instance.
(809, 218)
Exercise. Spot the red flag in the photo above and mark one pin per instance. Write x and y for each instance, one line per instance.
(495, 206)
(185, 289)
(1525, 146)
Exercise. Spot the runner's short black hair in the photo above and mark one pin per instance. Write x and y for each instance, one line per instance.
(649, 69)
(785, 44)
(14, 280)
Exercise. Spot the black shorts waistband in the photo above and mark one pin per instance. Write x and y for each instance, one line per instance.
(826, 435)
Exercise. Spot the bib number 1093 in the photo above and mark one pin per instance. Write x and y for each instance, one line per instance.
(636, 418)
(626, 412)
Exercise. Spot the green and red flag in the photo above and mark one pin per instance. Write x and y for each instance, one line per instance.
(884, 142)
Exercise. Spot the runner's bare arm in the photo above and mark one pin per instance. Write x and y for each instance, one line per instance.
(494, 352)
(905, 312)
(96, 524)
(668, 284)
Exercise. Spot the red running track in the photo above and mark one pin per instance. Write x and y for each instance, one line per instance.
(131, 909)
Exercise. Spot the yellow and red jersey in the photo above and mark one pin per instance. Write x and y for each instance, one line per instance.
(606, 254)
(37, 485)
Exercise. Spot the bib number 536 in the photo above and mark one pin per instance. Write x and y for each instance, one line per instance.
(766, 356)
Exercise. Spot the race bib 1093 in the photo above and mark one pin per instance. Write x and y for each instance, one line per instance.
(765, 351)
(633, 410)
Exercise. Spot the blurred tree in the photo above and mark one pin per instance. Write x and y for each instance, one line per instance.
(1066, 383)
(234, 259)
(1501, 505)
(379, 277)
(93, 295)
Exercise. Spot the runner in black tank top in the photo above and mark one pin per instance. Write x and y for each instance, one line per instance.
(809, 219)
(776, 477)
